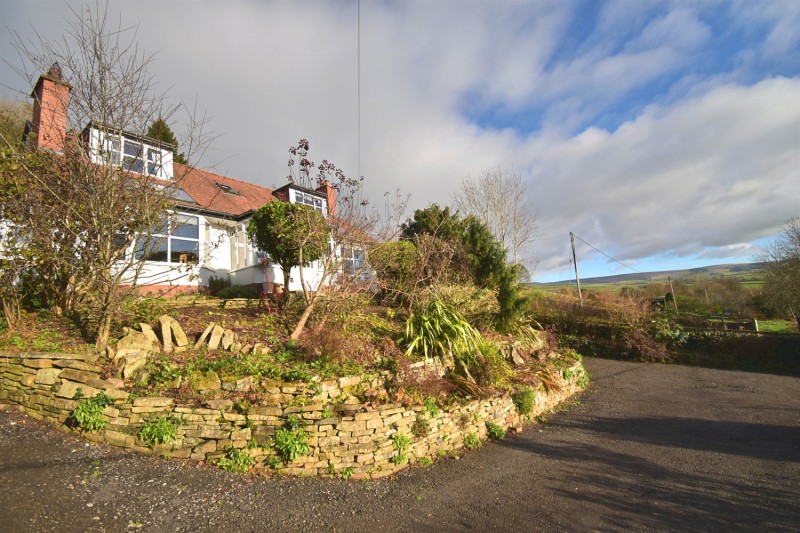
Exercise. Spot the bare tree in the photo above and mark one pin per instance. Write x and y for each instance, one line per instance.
(498, 198)
(781, 260)
(82, 207)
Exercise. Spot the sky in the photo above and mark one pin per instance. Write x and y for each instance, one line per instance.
(665, 134)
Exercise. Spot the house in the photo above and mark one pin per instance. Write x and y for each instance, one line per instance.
(205, 235)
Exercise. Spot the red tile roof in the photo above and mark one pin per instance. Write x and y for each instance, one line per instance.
(220, 194)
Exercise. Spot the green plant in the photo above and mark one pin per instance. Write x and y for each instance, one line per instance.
(163, 370)
(401, 444)
(235, 460)
(493, 369)
(273, 462)
(523, 400)
(236, 291)
(440, 453)
(420, 427)
(215, 285)
(42, 342)
(88, 414)
(583, 379)
(291, 441)
(431, 406)
(567, 374)
(331, 468)
(471, 441)
(326, 413)
(672, 334)
(495, 431)
(162, 431)
(241, 406)
(439, 330)
(346, 473)
(425, 462)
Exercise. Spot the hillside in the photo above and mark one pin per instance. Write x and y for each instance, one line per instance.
(713, 271)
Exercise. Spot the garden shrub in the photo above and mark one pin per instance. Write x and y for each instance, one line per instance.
(88, 414)
(237, 291)
(161, 431)
(491, 369)
(436, 329)
(524, 399)
(215, 285)
(291, 441)
(478, 306)
(236, 461)
(495, 431)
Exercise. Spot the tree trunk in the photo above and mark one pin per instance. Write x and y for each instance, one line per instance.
(11, 312)
(301, 324)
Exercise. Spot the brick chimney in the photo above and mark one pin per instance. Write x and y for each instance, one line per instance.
(50, 99)
(330, 194)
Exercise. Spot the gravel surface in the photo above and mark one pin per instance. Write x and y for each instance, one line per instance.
(646, 448)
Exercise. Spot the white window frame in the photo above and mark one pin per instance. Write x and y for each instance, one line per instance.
(169, 238)
(132, 154)
(311, 200)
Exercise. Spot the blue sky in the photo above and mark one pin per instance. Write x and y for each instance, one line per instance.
(665, 133)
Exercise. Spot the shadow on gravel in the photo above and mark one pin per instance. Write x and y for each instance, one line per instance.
(636, 493)
(761, 441)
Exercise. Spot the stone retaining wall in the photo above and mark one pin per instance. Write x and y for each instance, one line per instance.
(357, 438)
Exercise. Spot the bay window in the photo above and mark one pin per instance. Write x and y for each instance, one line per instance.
(177, 240)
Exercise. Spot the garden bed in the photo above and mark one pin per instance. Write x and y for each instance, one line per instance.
(277, 408)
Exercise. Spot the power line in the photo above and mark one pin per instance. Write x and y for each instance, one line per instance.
(358, 75)
(605, 254)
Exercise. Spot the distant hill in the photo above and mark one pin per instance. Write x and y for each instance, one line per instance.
(708, 271)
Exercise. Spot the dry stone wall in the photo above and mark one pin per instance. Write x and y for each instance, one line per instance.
(353, 437)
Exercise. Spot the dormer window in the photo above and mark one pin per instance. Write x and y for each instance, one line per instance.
(309, 199)
(133, 153)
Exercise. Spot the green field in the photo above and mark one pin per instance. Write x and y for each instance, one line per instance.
(749, 276)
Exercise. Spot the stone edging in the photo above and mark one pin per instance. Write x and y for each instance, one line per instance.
(357, 438)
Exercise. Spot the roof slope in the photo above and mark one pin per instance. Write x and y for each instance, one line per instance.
(220, 194)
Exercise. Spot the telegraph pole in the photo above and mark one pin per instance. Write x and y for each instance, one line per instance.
(575, 262)
(674, 300)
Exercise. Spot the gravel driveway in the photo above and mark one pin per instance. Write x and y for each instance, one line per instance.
(647, 447)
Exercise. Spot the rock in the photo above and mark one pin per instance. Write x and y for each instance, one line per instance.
(216, 337)
(541, 340)
(148, 331)
(462, 370)
(236, 347)
(206, 333)
(47, 376)
(69, 388)
(153, 401)
(178, 335)
(515, 357)
(227, 339)
(166, 332)
(241, 384)
(132, 363)
(204, 382)
(218, 404)
(135, 340)
(120, 356)
(80, 376)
